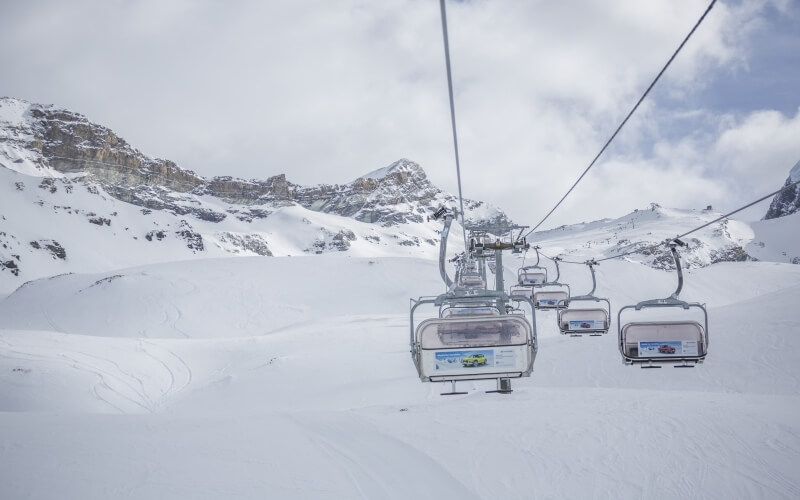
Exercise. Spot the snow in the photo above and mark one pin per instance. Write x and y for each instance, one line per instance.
(776, 240)
(15, 131)
(136, 369)
(794, 174)
(291, 378)
(33, 211)
(12, 112)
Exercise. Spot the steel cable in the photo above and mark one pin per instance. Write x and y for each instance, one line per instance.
(656, 245)
(605, 146)
(453, 120)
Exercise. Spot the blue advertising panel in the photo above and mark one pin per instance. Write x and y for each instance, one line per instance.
(668, 348)
(587, 324)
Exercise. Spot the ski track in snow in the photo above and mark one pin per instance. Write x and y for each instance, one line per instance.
(144, 379)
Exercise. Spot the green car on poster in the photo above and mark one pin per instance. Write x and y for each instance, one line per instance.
(474, 360)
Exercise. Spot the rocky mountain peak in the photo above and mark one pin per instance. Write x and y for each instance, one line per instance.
(402, 171)
(786, 202)
(52, 142)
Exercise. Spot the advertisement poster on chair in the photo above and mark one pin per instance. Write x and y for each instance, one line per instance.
(465, 360)
(589, 324)
(667, 348)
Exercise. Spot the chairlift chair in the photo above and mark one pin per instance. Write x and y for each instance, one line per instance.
(551, 294)
(462, 346)
(479, 333)
(551, 299)
(472, 280)
(531, 276)
(651, 344)
(593, 321)
(519, 245)
(520, 291)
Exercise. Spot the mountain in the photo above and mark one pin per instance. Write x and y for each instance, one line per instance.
(69, 187)
(788, 201)
(42, 141)
(76, 198)
(639, 234)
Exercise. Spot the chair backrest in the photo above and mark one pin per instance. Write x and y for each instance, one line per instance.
(461, 311)
(473, 348)
(647, 331)
(550, 299)
(472, 280)
(661, 339)
(477, 331)
(584, 319)
(522, 292)
(532, 278)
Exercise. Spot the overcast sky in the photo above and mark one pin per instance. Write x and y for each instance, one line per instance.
(328, 90)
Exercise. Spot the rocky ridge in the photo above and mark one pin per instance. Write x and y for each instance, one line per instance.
(788, 201)
(61, 142)
(75, 197)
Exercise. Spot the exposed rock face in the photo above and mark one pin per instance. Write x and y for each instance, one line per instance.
(245, 242)
(397, 194)
(61, 141)
(788, 201)
(376, 197)
(55, 249)
(329, 241)
(63, 167)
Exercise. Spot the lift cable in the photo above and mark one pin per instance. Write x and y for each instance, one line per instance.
(453, 121)
(651, 247)
(784, 188)
(605, 146)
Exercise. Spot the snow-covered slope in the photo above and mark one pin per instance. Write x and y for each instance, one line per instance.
(55, 226)
(16, 136)
(776, 240)
(291, 378)
(637, 232)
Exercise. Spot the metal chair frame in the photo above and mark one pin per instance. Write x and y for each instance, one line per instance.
(683, 360)
(587, 297)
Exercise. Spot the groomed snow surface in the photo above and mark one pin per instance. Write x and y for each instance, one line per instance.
(290, 378)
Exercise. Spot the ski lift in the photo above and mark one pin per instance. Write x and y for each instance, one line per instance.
(477, 247)
(650, 344)
(481, 346)
(479, 334)
(492, 263)
(519, 245)
(471, 280)
(551, 299)
(520, 291)
(532, 275)
(585, 321)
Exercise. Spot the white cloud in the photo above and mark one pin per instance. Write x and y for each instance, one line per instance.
(326, 91)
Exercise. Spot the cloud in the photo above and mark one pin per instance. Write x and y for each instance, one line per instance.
(326, 91)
